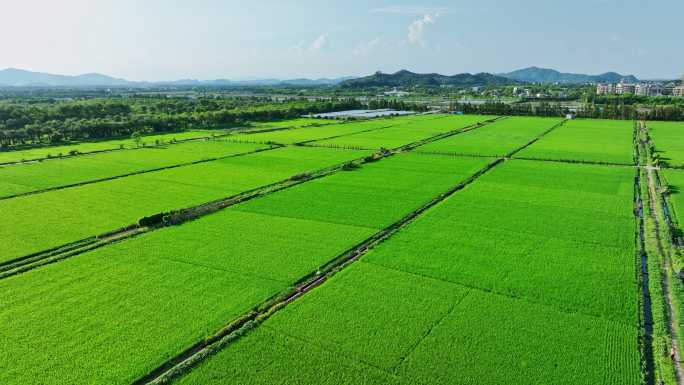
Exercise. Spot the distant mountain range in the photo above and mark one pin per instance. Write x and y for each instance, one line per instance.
(406, 78)
(17, 77)
(13, 77)
(546, 75)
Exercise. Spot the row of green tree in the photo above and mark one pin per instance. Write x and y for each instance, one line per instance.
(27, 122)
(589, 110)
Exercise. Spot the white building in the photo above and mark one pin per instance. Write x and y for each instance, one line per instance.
(625, 88)
(679, 90)
(605, 89)
(396, 93)
(644, 89)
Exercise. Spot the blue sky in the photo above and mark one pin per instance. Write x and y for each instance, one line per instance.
(207, 39)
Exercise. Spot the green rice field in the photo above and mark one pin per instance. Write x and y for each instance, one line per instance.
(497, 139)
(412, 130)
(414, 250)
(109, 145)
(240, 255)
(600, 141)
(668, 143)
(23, 178)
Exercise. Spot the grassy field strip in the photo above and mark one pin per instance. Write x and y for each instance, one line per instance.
(183, 363)
(33, 178)
(441, 308)
(147, 288)
(403, 134)
(90, 148)
(597, 141)
(496, 139)
(288, 124)
(25, 178)
(668, 146)
(406, 121)
(314, 133)
(76, 213)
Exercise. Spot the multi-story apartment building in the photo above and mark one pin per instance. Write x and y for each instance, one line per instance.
(625, 88)
(679, 90)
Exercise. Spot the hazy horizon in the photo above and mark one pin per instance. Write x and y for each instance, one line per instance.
(211, 39)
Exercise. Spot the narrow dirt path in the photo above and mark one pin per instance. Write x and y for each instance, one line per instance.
(667, 271)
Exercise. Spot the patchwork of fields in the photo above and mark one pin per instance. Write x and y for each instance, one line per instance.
(482, 250)
(89, 147)
(24, 178)
(412, 130)
(550, 246)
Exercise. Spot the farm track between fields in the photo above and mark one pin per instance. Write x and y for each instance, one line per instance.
(179, 216)
(194, 355)
(647, 303)
(60, 254)
(92, 181)
(656, 208)
(667, 267)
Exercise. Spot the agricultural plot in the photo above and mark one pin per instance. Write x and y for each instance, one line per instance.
(555, 234)
(88, 147)
(600, 141)
(305, 134)
(112, 301)
(27, 177)
(669, 144)
(374, 325)
(397, 185)
(495, 139)
(76, 213)
(418, 128)
(270, 358)
(530, 270)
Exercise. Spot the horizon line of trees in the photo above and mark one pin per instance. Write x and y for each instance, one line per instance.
(615, 111)
(24, 123)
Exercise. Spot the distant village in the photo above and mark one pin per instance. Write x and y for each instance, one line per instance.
(642, 89)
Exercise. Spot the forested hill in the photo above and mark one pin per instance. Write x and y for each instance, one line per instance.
(410, 79)
(546, 75)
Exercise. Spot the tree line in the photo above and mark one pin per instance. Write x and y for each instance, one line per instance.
(618, 111)
(24, 123)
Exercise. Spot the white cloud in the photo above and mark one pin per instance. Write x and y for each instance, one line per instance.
(417, 28)
(316, 45)
(367, 47)
(319, 43)
(409, 10)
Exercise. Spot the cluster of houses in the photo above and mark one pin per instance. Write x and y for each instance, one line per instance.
(641, 89)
